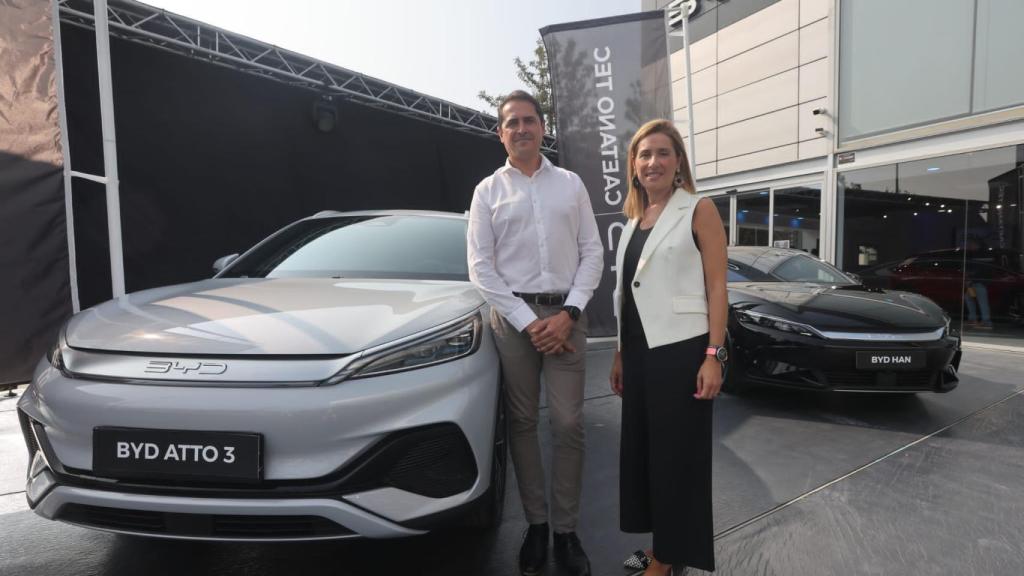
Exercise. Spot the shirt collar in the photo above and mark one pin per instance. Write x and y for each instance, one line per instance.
(544, 164)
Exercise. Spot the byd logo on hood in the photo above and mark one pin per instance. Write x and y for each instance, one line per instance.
(186, 367)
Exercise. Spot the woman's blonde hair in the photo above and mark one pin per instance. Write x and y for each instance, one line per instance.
(636, 199)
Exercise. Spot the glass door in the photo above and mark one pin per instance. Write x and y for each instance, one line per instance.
(796, 218)
(752, 221)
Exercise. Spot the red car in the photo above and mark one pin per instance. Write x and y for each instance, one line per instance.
(940, 275)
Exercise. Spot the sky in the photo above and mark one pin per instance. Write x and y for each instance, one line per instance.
(449, 49)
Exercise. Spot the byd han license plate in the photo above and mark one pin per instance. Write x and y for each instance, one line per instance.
(891, 360)
(179, 454)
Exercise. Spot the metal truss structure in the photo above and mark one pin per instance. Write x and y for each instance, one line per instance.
(160, 29)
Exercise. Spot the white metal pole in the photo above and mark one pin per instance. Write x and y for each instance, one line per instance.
(689, 93)
(69, 213)
(667, 21)
(109, 146)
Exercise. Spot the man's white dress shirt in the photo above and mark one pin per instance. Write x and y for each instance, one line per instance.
(533, 234)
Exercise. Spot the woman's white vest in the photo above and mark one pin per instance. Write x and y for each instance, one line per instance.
(668, 286)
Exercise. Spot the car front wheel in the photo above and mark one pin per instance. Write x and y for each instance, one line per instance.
(487, 514)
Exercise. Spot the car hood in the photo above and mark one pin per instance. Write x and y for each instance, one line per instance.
(851, 307)
(281, 316)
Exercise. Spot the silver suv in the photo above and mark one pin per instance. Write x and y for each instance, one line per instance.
(336, 380)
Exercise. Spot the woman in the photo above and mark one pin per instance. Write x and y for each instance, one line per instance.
(671, 304)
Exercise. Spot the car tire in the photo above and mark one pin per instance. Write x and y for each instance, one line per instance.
(489, 508)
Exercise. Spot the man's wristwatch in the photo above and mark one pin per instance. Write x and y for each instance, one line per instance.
(720, 353)
(573, 312)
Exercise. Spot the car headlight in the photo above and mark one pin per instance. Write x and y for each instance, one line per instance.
(776, 323)
(55, 355)
(445, 344)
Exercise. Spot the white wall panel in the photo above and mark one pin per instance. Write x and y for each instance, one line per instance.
(811, 10)
(707, 170)
(703, 53)
(813, 148)
(759, 98)
(770, 59)
(814, 80)
(814, 40)
(705, 116)
(679, 95)
(707, 145)
(808, 121)
(705, 84)
(759, 159)
(768, 131)
(760, 27)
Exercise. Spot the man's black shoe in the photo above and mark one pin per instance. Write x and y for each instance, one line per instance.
(534, 552)
(569, 554)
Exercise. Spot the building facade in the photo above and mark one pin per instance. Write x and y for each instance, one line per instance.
(884, 137)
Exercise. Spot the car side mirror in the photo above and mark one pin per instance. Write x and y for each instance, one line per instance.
(223, 262)
(855, 277)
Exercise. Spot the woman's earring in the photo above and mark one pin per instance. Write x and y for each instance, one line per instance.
(636, 182)
(678, 180)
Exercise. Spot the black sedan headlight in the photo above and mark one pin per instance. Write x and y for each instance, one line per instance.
(447, 343)
(760, 320)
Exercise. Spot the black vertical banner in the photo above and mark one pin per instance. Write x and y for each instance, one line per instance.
(609, 77)
(35, 293)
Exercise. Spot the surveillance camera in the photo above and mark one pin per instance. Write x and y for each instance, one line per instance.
(817, 111)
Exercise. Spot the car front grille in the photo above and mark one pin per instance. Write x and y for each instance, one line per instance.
(202, 525)
(26, 432)
(917, 380)
(434, 461)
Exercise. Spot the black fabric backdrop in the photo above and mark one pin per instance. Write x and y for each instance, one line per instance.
(212, 160)
(35, 294)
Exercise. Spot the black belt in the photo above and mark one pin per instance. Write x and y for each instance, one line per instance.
(542, 299)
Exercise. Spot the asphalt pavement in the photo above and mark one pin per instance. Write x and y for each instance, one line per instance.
(805, 484)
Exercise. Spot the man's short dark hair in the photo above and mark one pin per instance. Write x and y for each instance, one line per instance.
(522, 96)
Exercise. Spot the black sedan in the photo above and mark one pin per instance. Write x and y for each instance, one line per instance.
(795, 321)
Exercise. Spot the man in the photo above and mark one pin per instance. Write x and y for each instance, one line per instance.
(535, 255)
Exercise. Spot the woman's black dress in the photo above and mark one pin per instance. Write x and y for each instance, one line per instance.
(665, 454)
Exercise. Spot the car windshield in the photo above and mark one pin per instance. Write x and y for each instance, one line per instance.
(807, 269)
(786, 268)
(367, 246)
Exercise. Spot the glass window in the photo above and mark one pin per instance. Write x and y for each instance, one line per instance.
(797, 217)
(949, 228)
(864, 200)
(752, 218)
(734, 275)
(904, 63)
(804, 269)
(394, 246)
(722, 203)
(998, 54)
(738, 271)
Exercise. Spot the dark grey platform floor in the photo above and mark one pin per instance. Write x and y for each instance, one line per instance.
(806, 484)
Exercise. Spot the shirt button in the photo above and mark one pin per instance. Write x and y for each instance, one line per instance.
(636, 284)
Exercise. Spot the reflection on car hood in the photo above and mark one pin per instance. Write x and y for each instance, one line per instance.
(838, 307)
(270, 316)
